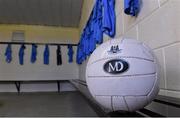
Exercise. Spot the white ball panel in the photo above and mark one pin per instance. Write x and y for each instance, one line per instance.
(135, 102)
(105, 101)
(154, 91)
(119, 104)
(141, 101)
(137, 85)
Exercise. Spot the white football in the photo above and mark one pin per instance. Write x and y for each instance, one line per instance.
(122, 75)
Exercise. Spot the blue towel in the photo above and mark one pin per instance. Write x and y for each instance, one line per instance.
(46, 55)
(70, 53)
(21, 54)
(109, 17)
(8, 54)
(33, 53)
(132, 7)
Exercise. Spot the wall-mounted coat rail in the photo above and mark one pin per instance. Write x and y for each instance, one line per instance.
(8, 52)
(30, 43)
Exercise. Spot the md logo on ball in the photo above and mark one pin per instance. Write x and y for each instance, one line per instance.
(116, 66)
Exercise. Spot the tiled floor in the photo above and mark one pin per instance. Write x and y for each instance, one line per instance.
(70, 104)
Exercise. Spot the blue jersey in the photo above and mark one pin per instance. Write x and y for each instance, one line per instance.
(102, 20)
(33, 53)
(70, 53)
(92, 40)
(80, 51)
(98, 22)
(46, 55)
(21, 54)
(59, 57)
(78, 54)
(109, 17)
(132, 7)
(88, 39)
(8, 53)
(83, 47)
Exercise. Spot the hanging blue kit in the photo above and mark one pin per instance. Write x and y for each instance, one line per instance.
(98, 22)
(109, 17)
(8, 53)
(70, 53)
(102, 20)
(33, 53)
(132, 7)
(21, 54)
(46, 55)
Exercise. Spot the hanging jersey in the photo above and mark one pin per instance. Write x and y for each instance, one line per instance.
(59, 57)
(8, 54)
(98, 22)
(70, 53)
(46, 55)
(92, 42)
(109, 20)
(21, 54)
(132, 7)
(83, 47)
(88, 43)
(33, 53)
(78, 54)
(102, 20)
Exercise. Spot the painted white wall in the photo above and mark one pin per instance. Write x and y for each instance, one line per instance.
(37, 71)
(37, 87)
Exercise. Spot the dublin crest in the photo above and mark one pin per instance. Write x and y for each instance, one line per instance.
(114, 50)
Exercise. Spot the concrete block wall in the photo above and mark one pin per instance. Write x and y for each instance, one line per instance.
(158, 26)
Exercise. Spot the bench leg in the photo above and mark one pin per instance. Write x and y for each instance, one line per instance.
(58, 86)
(18, 86)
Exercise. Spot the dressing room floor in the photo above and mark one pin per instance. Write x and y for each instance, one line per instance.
(44, 104)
